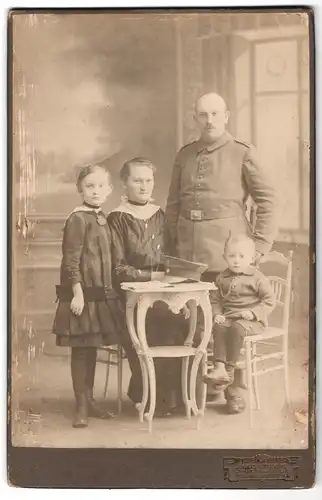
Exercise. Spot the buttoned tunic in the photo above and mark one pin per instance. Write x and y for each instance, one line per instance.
(208, 192)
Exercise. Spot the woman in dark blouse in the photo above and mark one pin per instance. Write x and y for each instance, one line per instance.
(138, 241)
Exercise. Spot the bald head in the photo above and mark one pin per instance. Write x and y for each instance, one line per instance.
(210, 100)
(211, 116)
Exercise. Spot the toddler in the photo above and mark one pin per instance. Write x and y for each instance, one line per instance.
(241, 305)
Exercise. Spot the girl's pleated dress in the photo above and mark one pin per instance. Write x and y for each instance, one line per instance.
(87, 260)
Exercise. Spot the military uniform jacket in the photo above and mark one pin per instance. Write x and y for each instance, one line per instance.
(208, 191)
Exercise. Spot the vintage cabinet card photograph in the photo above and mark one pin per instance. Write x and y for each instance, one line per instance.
(162, 251)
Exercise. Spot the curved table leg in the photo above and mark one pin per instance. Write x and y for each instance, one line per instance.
(201, 357)
(184, 383)
(198, 407)
(203, 398)
(147, 364)
(145, 383)
(193, 379)
(192, 322)
(152, 384)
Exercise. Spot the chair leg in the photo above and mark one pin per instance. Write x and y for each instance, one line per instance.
(108, 364)
(249, 382)
(119, 378)
(255, 377)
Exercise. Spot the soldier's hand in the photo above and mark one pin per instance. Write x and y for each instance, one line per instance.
(258, 258)
(219, 319)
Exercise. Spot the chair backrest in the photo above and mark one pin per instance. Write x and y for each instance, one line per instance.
(282, 286)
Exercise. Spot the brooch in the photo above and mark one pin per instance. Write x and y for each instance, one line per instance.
(101, 219)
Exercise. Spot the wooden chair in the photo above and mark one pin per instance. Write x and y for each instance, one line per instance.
(282, 289)
(115, 357)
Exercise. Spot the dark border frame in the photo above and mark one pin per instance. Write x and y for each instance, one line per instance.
(150, 468)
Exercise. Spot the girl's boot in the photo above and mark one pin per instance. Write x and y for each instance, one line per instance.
(93, 409)
(78, 369)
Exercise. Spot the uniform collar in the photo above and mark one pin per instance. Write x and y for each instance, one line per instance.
(250, 271)
(202, 146)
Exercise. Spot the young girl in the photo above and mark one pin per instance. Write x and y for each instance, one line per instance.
(88, 312)
(241, 305)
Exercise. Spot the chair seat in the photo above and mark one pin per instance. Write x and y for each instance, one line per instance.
(172, 351)
(269, 333)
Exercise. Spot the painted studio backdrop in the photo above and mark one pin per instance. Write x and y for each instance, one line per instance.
(107, 87)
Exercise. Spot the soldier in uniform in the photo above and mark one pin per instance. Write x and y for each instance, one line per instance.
(211, 182)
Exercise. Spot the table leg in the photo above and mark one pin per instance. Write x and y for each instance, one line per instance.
(184, 383)
(201, 357)
(147, 363)
(145, 383)
(203, 385)
(193, 379)
(152, 384)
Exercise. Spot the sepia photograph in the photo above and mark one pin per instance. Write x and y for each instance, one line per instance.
(161, 273)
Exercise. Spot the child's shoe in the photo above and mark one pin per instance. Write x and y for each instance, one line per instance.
(217, 376)
(81, 416)
(94, 410)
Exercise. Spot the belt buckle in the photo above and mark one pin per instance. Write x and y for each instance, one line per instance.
(196, 214)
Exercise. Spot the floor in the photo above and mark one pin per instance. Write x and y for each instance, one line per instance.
(43, 408)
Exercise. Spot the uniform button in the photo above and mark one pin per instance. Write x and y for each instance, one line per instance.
(153, 236)
(198, 204)
(158, 246)
(198, 185)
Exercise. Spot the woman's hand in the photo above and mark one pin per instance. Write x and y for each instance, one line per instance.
(219, 319)
(77, 304)
(247, 314)
(185, 311)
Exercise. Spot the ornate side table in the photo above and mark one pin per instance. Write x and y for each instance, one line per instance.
(142, 296)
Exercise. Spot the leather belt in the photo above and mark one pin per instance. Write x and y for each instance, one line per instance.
(198, 215)
(91, 293)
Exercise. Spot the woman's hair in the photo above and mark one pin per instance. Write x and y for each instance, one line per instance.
(235, 239)
(142, 162)
(87, 170)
